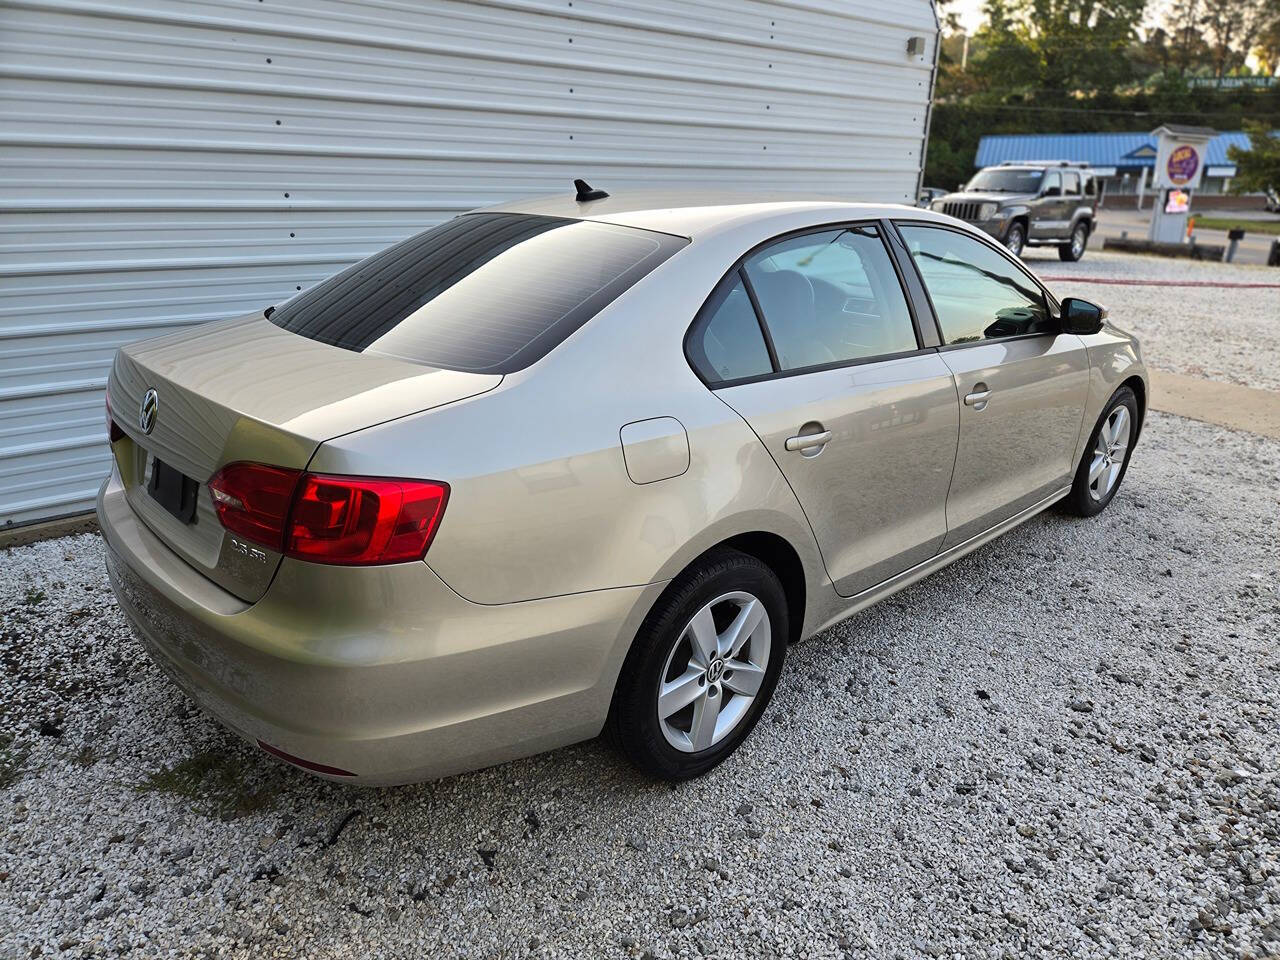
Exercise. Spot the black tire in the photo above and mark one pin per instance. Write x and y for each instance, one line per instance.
(1073, 250)
(1083, 500)
(1015, 238)
(633, 727)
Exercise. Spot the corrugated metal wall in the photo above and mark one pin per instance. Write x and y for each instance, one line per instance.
(164, 163)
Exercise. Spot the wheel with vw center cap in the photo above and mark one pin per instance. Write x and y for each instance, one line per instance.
(702, 668)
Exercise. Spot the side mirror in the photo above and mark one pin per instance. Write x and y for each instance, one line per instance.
(1081, 316)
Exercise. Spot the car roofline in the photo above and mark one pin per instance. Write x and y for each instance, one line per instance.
(695, 214)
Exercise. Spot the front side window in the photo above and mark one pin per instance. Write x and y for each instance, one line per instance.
(726, 342)
(830, 297)
(1052, 186)
(977, 293)
(485, 293)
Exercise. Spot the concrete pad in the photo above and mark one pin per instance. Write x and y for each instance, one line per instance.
(1211, 401)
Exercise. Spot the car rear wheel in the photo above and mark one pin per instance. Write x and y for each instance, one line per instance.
(1074, 249)
(702, 669)
(1106, 458)
(1016, 238)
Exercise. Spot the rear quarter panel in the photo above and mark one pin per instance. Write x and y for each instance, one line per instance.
(541, 503)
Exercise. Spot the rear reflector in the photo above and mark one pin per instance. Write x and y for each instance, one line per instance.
(353, 521)
(304, 764)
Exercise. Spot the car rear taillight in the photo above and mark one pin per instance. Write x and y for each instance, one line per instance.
(114, 432)
(252, 500)
(328, 519)
(354, 520)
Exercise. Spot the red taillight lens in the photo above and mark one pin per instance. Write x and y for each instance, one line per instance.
(253, 500)
(327, 519)
(114, 432)
(355, 520)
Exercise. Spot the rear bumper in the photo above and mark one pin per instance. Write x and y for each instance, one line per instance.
(380, 671)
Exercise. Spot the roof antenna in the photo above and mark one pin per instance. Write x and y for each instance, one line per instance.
(585, 192)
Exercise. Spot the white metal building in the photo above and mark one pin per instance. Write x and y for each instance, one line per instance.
(167, 162)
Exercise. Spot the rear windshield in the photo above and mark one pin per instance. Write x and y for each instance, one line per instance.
(485, 292)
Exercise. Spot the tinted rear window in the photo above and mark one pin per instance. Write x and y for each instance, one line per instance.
(486, 292)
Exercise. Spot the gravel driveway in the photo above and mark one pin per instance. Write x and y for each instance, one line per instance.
(1229, 333)
(1063, 745)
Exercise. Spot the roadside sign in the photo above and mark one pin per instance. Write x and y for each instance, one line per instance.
(1182, 165)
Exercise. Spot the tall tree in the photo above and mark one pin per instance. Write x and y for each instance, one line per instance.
(1067, 46)
(1233, 26)
(1219, 35)
(1257, 168)
(1185, 21)
(1268, 48)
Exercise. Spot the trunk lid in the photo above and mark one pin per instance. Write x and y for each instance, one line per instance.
(247, 390)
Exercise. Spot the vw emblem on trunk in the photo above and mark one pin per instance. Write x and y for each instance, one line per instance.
(147, 412)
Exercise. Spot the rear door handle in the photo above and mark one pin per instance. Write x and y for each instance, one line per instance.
(808, 441)
(978, 397)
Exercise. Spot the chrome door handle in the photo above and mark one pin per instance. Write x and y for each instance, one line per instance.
(978, 398)
(808, 440)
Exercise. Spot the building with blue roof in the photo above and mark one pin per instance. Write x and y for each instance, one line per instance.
(1122, 160)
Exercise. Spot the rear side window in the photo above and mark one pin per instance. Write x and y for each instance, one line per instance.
(726, 343)
(485, 293)
(1071, 183)
(831, 296)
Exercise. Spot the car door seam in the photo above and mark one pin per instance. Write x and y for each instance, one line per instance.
(955, 459)
(787, 480)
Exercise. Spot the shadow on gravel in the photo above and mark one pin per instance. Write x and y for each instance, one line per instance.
(12, 761)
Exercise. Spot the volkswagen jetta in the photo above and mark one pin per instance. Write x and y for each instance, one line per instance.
(571, 466)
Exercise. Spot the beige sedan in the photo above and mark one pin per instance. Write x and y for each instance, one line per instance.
(583, 465)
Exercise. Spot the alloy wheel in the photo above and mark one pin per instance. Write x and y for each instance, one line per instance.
(1078, 239)
(1109, 452)
(714, 672)
(1015, 241)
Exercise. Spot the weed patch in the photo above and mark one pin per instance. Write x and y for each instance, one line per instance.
(217, 782)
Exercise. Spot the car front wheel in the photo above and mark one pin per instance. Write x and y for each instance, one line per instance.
(1016, 239)
(702, 669)
(1106, 458)
(1074, 249)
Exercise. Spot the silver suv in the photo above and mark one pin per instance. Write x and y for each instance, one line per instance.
(1040, 203)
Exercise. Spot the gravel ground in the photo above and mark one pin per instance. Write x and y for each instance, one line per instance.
(1062, 745)
(1218, 333)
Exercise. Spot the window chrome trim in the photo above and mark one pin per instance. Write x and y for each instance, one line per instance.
(824, 367)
